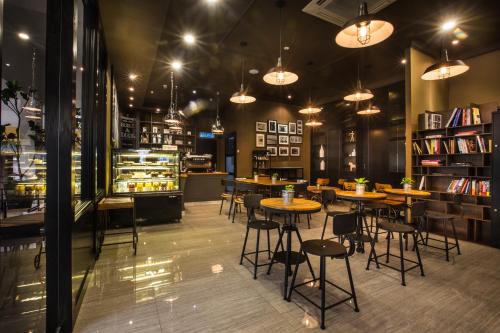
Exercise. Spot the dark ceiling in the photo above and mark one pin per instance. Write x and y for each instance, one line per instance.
(145, 36)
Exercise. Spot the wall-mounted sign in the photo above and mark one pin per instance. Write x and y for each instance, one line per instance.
(206, 135)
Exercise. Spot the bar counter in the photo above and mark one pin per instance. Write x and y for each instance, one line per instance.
(202, 186)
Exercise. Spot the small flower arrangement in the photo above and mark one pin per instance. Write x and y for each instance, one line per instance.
(407, 180)
(361, 185)
(289, 188)
(361, 181)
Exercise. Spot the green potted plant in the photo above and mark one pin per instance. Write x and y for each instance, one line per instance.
(407, 182)
(274, 178)
(256, 176)
(361, 185)
(288, 194)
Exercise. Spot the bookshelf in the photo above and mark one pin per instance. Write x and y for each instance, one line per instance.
(458, 160)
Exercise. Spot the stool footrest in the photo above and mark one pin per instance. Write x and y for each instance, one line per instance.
(450, 245)
(394, 268)
(294, 288)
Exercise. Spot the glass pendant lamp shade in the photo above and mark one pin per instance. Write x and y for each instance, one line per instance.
(217, 128)
(371, 109)
(313, 123)
(310, 110)
(364, 30)
(279, 76)
(445, 68)
(32, 104)
(241, 97)
(360, 94)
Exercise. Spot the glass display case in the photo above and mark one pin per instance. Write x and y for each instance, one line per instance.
(145, 171)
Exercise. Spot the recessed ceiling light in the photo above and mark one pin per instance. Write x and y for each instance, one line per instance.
(254, 71)
(289, 96)
(131, 98)
(152, 92)
(448, 25)
(189, 38)
(23, 35)
(81, 68)
(455, 42)
(7, 64)
(194, 92)
(158, 109)
(131, 89)
(132, 76)
(211, 2)
(131, 105)
(403, 61)
(176, 64)
(286, 48)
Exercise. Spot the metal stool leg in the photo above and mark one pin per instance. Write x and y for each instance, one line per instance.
(352, 284)
(455, 236)
(322, 286)
(268, 245)
(244, 246)
(418, 256)
(256, 255)
(388, 247)
(402, 259)
(324, 226)
(221, 203)
(281, 232)
(446, 240)
(292, 286)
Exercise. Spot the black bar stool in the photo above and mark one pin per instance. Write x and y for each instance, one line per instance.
(251, 203)
(227, 195)
(344, 226)
(402, 230)
(329, 198)
(240, 190)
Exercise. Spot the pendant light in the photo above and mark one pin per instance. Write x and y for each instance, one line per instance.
(313, 122)
(178, 126)
(32, 104)
(310, 109)
(241, 97)
(371, 109)
(445, 68)
(171, 119)
(364, 30)
(360, 93)
(278, 75)
(217, 128)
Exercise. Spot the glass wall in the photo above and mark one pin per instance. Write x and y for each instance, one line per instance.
(23, 167)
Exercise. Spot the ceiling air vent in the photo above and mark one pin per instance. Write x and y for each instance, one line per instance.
(340, 11)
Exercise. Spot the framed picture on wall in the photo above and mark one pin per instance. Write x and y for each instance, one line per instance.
(292, 128)
(283, 128)
(283, 151)
(260, 126)
(294, 151)
(299, 131)
(295, 139)
(272, 139)
(283, 139)
(271, 126)
(299, 127)
(273, 150)
(260, 140)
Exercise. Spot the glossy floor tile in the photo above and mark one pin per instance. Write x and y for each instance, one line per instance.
(186, 278)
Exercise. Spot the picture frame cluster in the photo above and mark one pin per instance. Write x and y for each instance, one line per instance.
(278, 138)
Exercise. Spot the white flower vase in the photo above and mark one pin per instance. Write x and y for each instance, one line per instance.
(256, 178)
(273, 180)
(287, 196)
(407, 187)
(360, 189)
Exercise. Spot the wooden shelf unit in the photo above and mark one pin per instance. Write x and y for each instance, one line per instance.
(475, 224)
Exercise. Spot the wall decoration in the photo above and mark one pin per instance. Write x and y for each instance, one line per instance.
(299, 127)
(283, 151)
(273, 151)
(271, 126)
(292, 128)
(272, 139)
(283, 128)
(260, 140)
(260, 126)
(299, 131)
(283, 139)
(295, 139)
(294, 151)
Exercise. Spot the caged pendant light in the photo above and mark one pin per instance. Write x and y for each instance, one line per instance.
(178, 126)
(278, 75)
(171, 119)
(445, 68)
(364, 30)
(241, 97)
(32, 104)
(217, 128)
(360, 93)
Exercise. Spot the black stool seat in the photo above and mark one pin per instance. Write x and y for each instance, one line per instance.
(263, 225)
(396, 227)
(438, 215)
(325, 248)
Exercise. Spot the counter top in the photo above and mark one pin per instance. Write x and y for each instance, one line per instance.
(185, 175)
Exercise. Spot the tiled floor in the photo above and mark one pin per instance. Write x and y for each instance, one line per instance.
(186, 278)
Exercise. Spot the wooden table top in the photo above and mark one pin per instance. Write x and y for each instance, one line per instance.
(116, 203)
(266, 182)
(367, 196)
(25, 219)
(410, 193)
(298, 205)
(315, 189)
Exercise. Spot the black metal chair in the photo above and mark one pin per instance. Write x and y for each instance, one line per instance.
(240, 190)
(329, 198)
(228, 193)
(447, 220)
(252, 203)
(344, 226)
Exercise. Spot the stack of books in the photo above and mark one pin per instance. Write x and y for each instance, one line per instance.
(470, 187)
(464, 117)
(430, 120)
(432, 163)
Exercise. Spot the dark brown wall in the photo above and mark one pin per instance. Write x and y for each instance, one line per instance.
(241, 119)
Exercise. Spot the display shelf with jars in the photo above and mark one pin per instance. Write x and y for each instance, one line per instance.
(136, 171)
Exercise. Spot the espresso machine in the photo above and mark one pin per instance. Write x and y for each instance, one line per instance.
(197, 163)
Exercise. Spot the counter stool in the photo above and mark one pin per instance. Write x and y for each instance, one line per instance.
(252, 202)
(446, 220)
(227, 194)
(239, 192)
(344, 226)
(329, 198)
(401, 229)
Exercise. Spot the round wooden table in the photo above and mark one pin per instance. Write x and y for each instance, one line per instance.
(407, 194)
(289, 211)
(360, 199)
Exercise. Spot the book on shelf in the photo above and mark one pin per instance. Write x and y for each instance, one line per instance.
(422, 182)
(431, 162)
(433, 144)
(416, 149)
(430, 120)
(464, 117)
(467, 146)
(466, 133)
(469, 186)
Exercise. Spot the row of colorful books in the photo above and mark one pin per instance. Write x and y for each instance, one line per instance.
(475, 144)
(464, 117)
(469, 186)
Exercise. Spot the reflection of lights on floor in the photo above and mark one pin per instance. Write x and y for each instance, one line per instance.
(171, 299)
(29, 284)
(130, 322)
(216, 269)
(149, 264)
(310, 284)
(32, 311)
(29, 299)
(309, 321)
(149, 275)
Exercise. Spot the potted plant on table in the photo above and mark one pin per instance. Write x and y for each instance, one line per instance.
(407, 182)
(256, 176)
(361, 185)
(288, 194)
(274, 178)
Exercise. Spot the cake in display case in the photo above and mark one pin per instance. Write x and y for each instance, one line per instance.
(145, 171)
